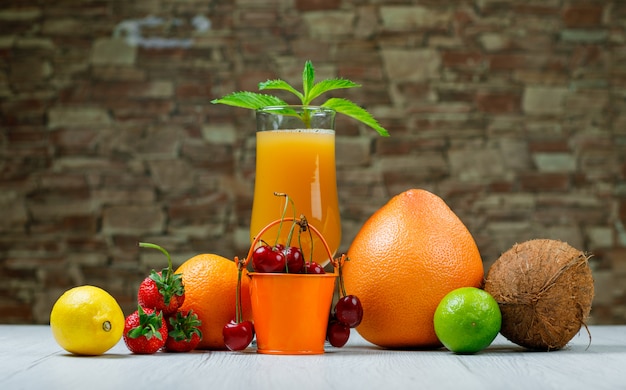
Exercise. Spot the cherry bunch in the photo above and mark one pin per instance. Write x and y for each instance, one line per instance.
(279, 258)
(266, 258)
(238, 334)
(347, 313)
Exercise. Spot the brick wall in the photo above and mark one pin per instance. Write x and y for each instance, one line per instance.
(513, 111)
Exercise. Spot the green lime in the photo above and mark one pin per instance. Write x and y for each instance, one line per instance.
(467, 320)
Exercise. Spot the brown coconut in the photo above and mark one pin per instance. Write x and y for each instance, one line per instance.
(544, 289)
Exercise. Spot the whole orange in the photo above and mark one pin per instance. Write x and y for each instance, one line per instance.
(407, 256)
(210, 291)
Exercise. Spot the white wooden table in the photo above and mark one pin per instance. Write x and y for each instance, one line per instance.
(31, 359)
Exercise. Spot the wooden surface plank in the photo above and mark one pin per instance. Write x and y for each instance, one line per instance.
(30, 358)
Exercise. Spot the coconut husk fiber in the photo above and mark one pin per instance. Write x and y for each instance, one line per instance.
(544, 289)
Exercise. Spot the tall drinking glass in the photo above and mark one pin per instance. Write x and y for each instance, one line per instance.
(295, 155)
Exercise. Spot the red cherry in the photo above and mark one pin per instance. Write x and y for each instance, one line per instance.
(311, 267)
(268, 259)
(237, 336)
(349, 311)
(337, 333)
(294, 259)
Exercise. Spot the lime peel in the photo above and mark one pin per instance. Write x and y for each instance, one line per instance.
(467, 320)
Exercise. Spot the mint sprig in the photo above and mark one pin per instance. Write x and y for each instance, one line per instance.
(310, 91)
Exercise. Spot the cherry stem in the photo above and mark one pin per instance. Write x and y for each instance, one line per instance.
(342, 287)
(290, 235)
(238, 309)
(300, 246)
(288, 201)
(304, 224)
(293, 208)
(311, 239)
(166, 253)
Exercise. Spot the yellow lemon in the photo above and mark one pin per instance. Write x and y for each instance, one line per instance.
(87, 320)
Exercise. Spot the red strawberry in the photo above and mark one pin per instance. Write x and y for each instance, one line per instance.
(145, 331)
(164, 290)
(184, 332)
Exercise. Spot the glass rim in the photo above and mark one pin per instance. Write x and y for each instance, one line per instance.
(302, 107)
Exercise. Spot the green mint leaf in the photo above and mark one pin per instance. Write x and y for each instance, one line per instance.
(280, 84)
(250, 100)
(328, 85)
(308, 81)
(346, 107)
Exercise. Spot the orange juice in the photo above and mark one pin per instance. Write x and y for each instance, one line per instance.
(301, 164)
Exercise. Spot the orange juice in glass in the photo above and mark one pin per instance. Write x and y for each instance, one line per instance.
(295, 155)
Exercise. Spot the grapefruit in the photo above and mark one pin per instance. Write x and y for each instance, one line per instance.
(407, 256)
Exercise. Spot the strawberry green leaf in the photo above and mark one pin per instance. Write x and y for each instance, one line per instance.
(250, 100)
(184, 326)
(149, 325)
(168, 283)
(352, 110)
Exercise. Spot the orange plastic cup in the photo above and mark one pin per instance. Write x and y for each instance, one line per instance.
(291, 311)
